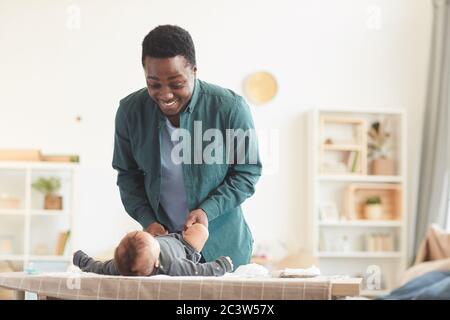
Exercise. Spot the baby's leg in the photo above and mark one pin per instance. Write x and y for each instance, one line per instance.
(196, 235)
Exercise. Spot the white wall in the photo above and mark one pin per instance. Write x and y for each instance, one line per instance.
(323, 53)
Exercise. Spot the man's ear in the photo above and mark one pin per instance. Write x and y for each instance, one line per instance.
(157, 263)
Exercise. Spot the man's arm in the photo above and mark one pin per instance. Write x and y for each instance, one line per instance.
(241, 178)
(87, 264)
(130, 177)
(185, 267)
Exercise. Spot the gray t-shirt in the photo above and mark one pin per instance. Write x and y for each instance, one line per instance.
(173, 197)
(177, 258)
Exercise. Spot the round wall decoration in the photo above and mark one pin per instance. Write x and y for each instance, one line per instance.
(260, 87)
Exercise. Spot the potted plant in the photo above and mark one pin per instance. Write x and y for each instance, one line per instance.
(372, 209)
(379, 150)
(49, 187)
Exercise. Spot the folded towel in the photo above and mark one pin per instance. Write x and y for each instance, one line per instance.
(300, 273)
(251, 270)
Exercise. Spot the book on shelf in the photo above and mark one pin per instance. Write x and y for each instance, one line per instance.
(62, 242)
(352, 161)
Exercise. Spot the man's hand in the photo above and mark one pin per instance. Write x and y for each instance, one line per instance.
(196, 216)
(156, 229)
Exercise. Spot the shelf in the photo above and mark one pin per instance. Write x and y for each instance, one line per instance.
(49, 258)
(362, 223)
(337, 138)
(11, 257)
(360, 111)
(12, 212)
(356, 195)
(17, 257)
(21, 212)
(37, 165)
(359, 254)
(341, 147)
(342, 120)
(361, 178)
(47, 212)
(37, 228)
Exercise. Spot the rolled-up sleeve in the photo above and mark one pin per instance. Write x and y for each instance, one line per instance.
(243, 172)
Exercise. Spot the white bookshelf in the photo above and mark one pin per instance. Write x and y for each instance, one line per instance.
(361, 254)
(32, 231)
(365, 178)
(340, 243)
(361, 223)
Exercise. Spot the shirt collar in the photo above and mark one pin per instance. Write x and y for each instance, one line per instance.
(191, 105)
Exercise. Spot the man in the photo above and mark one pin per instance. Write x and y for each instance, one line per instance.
(167, 195)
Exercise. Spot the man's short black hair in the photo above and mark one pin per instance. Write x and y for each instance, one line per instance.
(168, 41)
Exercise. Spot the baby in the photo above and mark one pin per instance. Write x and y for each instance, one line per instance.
(141, 254)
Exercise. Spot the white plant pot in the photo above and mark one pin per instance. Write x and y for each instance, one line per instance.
(373, 212)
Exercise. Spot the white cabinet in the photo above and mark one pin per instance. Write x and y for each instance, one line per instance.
(349, 236)
(31, 236)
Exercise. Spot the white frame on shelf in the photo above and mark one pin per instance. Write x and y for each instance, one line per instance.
(316, 178)
(28, 212)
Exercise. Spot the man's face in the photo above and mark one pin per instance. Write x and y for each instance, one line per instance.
(170, 82)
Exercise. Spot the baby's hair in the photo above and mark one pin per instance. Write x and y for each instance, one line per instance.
(126, 255)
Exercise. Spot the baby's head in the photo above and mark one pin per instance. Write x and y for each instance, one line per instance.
(137, 254)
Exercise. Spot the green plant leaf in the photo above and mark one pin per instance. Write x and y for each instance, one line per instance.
(47, 185)
(373, 200)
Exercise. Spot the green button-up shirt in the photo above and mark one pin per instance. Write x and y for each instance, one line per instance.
(218, 188)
